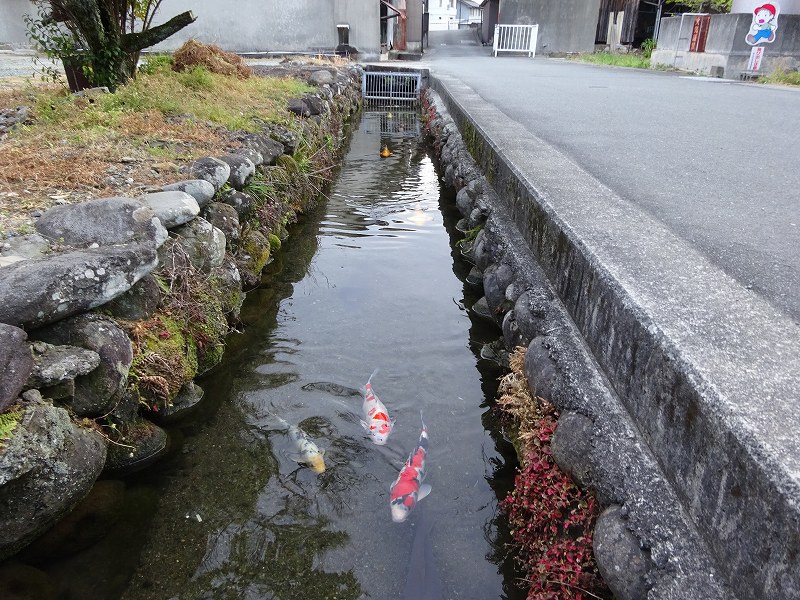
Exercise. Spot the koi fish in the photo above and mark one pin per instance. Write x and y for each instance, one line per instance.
(307, 451)
(408, 488)
(376, 418)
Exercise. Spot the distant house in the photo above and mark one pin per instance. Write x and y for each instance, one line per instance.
(469, 13)
(442, 15)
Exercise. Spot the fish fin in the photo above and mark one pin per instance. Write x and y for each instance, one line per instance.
(424, 490)
(365, 425)
(298, 458)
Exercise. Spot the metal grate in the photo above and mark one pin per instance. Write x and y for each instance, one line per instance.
(400, 123)
(385, 87)
(515, 38)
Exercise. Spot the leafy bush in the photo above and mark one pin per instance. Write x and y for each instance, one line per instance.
(647, 47)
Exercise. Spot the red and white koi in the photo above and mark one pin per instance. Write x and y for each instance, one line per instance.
(376, 418)
(408, 488)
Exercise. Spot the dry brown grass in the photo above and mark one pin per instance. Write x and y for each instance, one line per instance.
(215, 59)
(144, 150)
(78, 148)
(515, 398)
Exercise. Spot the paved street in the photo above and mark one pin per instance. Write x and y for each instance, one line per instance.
(715, 161)
(665, 209)
(22, 64)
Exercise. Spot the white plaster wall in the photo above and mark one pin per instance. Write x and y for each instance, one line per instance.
(442, 15)
(276, 25)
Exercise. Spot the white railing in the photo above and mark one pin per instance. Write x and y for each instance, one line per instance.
(515, 38)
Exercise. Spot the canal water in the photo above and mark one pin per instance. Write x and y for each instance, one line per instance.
(370, 279)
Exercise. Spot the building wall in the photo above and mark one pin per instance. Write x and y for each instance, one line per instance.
(252, 26)
(414, 26)
(490, 11)
(726, 46)
(564, 25)
(12, 27)
(442, 15)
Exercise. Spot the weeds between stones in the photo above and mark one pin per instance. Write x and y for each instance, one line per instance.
(551, 519)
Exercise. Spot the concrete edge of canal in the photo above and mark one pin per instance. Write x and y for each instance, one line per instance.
(689, 378)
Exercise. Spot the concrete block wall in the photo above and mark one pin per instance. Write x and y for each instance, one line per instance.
(276, 25)
(564, 26)
(726, 46)
(12, 27)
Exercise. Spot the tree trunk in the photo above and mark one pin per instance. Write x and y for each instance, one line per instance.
(111, 53)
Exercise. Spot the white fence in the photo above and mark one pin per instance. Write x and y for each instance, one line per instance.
(515, 38)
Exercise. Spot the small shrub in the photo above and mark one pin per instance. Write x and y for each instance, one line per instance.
(647, 47)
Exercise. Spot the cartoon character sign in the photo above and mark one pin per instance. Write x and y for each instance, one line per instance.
(765, 22)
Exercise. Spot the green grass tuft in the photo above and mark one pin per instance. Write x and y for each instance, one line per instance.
(616, 60)
(8, 422)
(781, 77)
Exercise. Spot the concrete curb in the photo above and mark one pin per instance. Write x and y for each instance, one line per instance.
(708, 371)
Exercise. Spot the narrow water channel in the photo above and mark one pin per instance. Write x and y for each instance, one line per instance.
(370, 279)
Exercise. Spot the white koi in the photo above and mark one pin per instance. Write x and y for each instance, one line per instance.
(307, 451)
(376, 418)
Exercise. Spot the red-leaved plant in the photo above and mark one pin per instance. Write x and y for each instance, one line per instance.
(551, 519)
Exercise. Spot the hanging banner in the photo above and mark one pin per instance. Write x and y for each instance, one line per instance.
(765, 22)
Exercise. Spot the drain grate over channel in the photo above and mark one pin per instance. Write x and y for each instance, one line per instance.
(386, 87)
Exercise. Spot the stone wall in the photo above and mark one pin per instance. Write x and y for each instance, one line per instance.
(644, 544)
(115, 305)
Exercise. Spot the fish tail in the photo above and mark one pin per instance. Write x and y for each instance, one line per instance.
(283, 422)
(365, 387)
(375, 372)
(421, 419)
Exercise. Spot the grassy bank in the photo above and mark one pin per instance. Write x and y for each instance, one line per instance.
(782, 78)
(637, 61)
(74, 148)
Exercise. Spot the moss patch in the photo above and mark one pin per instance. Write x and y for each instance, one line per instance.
(8, 422)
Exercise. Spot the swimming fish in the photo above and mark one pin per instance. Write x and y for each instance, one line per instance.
(376, 418)
(307, 451)
(386, 152)
(408, 488)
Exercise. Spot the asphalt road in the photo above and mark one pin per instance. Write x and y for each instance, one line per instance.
(23, 64)
(715, 161)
